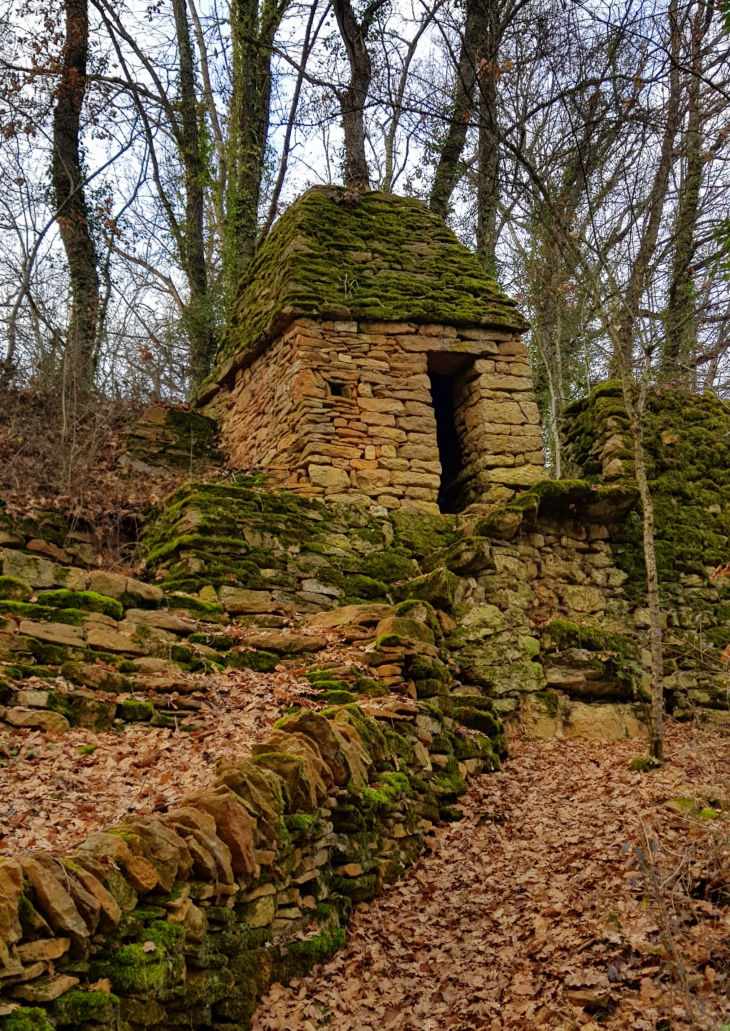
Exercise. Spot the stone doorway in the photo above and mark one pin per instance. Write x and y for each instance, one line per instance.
(445, 372)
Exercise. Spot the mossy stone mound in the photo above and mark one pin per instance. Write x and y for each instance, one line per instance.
(687, 445)
(370, 257)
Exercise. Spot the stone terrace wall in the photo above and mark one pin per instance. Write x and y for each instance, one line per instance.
(687, 439)
(528, 599)
(184, 920)
(375, 435)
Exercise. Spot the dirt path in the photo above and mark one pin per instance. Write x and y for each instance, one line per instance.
(525, 914)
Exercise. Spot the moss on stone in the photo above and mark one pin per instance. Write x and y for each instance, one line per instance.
(26, 1018)
(357, 889)
(135, 711)
(373, 257)
(388, 566)
(13, 589)
(423, 667)
(260, 661)
(301, 823)
(27, 610)
(206, 610)
(88, 601)
(371, 688)
(448, 784)
(364, 588)
(301, 956)
(564, 634)
(337, 697)
(20, 672)
(477, 719)
(687, 446)
(79, 1007)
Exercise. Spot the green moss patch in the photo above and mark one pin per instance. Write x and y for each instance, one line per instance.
(376, 257)
(13, 589)
(88, 601)
(260, 661)
(135, 712)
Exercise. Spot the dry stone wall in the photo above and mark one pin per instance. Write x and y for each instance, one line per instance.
(496, 582)
(345, 407)
(688, 468)
(165, 438)
(183, 920)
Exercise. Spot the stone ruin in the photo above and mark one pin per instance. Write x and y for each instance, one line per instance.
(376, 375)
(369, 353)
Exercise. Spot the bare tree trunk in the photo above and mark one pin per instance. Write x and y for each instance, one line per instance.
(451, 168)
(624, 339)
(253, 28)
(488, 40)
(198, 316)
(354, 98)
(67, 179)
(680, 340)
(635, 412)
(547, 332)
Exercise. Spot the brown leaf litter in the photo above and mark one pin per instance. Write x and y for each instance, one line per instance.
(537, 910)
(51, 796)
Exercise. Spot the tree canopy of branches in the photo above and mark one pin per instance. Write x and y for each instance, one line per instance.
(580, 149)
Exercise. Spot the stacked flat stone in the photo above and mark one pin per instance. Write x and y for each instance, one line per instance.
(376, 435)
(323, 375)
(185, 919)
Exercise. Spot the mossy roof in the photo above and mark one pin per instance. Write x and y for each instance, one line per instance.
(371, 257)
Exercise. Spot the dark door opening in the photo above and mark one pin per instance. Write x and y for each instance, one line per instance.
(447, 438)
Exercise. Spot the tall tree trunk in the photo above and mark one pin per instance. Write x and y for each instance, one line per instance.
(488, 40)
(623, 338)
(67, 179)
(354, 98)
(198, 316)
(680, 339)
(451, 168)
(546, 335)
(253, 28)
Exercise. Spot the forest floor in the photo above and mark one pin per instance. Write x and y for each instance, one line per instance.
(574, 894)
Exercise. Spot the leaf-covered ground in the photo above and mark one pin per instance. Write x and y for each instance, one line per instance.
(537, 910)
(51, 796)
(574, 893)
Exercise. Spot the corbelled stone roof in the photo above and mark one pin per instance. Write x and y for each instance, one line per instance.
(371, 257)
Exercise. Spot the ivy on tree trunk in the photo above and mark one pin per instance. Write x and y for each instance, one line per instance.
(253, 28)
(72, 212)
(198, 317)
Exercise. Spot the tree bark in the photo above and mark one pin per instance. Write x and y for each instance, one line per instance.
(353, 99)
(489, 33)
(451, 168)
(252, 35)
(624, 339)
(67, 178)
(641, 267)
(680, 340)
(198, 317)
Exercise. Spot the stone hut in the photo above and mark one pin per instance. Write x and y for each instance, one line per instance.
(369, 353)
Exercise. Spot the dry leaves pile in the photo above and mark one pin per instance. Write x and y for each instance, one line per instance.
(535, 911)
(49, 464)
(51, 796)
